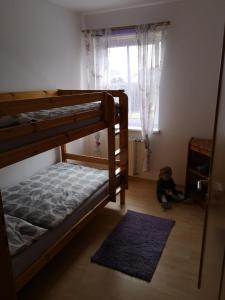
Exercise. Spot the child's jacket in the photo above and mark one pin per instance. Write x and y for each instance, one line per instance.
(163, 185)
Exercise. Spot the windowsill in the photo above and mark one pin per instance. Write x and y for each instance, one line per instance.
(134, 128)
(155, 130)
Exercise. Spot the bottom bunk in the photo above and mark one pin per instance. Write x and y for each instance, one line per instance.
(45, 211)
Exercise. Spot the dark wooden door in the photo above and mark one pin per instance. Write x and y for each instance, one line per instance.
(212, 279)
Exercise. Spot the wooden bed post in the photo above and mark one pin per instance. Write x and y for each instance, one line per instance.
(110, 119)
(63, 153)
(123, 101)
(7, 288)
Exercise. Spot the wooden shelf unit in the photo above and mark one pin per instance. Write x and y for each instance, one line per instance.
(198, 167)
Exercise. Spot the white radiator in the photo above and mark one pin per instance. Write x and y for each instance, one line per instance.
(131, 155)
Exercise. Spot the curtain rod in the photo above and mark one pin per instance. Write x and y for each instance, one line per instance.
(132, 27)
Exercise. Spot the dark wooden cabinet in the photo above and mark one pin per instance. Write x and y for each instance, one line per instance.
(197, 172)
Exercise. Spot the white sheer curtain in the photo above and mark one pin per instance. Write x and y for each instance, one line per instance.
(97, 62)
(151, 43)
(97, 66)
(130, 60)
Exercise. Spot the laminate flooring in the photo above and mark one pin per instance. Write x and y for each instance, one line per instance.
(71, 275)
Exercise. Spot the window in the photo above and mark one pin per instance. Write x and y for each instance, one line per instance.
(123, 73)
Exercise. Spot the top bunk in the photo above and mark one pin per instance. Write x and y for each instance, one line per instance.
(34, 122)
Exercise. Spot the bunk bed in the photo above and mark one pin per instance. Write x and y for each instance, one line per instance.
(34, 122)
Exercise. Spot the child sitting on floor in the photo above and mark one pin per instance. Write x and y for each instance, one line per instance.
(166, 188)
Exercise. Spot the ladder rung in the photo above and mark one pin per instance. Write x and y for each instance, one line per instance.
(118, 190)
(117, 131)
(118, 162)
(118, 171)
(118, 152)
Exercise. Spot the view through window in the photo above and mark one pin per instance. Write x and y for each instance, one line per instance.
(123, 66)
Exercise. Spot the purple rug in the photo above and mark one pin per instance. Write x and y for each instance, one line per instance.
(135, 245)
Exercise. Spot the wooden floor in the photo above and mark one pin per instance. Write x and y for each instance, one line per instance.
(71, 276)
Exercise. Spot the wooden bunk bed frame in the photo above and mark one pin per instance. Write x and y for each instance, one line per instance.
(117, 161)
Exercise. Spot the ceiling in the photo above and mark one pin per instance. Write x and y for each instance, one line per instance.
(88, 6)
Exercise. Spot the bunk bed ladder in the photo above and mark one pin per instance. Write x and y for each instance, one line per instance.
(110, 119)
(122, 151)
(119, 174)
(123, 101)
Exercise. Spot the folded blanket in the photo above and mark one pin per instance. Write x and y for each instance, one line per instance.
(21, 233)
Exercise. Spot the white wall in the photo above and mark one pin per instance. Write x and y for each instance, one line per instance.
(15, 173)
(39, 49)
(190, 75)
